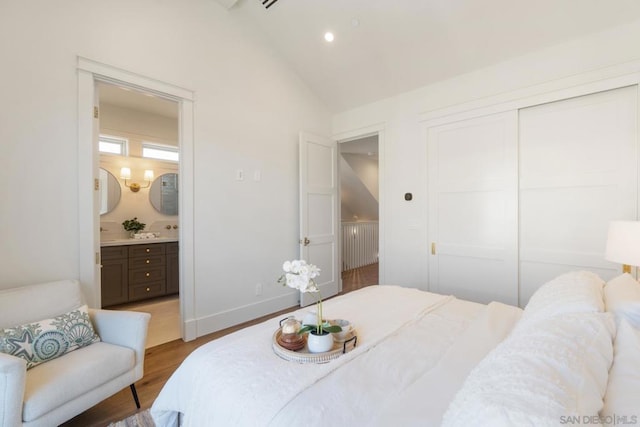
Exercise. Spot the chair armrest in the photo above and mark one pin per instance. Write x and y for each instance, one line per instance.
(124, 328)
(13, 375)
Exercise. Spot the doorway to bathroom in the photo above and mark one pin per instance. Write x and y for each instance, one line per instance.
(146, 181)
(139, 165)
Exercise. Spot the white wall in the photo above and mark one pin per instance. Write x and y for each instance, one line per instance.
(405, 156)
(148, 126)
(248, 107)
(367, 170)
(358, 187)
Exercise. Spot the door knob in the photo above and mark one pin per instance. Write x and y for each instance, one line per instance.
(305, 242)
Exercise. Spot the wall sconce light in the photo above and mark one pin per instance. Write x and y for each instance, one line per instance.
(125, 173)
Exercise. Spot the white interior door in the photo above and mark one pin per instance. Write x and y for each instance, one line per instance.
(473, 210)
(578, 171)
(319, 212)
(88, 201)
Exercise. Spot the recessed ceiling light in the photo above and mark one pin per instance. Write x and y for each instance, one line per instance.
(328, 36)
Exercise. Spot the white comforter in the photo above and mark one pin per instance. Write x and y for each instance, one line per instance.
(414, 350)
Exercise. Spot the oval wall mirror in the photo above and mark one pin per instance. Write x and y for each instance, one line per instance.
(110, 191)
(163, 194)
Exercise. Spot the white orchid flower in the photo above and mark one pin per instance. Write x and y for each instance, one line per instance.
(286, 266)
(300, 275)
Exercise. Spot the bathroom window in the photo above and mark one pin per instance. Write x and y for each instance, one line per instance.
(160, 152)
(112, 145)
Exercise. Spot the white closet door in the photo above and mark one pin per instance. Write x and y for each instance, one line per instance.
(578, 171)
(473, 185)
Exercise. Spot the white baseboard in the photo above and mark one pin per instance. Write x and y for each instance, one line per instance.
(189, 328)
(226, 319)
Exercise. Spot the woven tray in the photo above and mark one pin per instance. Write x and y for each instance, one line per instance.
(304, 356)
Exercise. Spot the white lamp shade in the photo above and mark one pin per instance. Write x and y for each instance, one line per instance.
(148, 175)
(125, 173)
(623, 242)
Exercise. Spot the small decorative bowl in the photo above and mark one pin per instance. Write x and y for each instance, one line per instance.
(347, 330)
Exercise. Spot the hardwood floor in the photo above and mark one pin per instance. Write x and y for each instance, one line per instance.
(162, 360)
(164, 325)
(359, 278)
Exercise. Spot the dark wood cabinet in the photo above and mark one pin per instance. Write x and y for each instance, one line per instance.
(147, 271)
(137, 272)
(173, 270)
(114, 275)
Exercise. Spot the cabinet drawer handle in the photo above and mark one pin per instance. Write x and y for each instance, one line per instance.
(148, 261)
(148, 289)
(148, 250)
(148, 274)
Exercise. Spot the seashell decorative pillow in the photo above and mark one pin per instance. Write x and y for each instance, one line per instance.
(39, 342)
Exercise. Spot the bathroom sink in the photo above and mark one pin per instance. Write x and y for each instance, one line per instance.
(125, 241)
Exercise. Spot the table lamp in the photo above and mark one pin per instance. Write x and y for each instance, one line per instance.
(623, 244)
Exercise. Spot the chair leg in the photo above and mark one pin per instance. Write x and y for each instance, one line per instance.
(135, 395)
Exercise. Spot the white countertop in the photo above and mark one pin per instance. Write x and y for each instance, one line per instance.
(120, 242)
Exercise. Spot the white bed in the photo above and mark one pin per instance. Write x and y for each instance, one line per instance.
(421, 359)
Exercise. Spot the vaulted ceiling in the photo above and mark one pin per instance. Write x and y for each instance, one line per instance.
(385, 47)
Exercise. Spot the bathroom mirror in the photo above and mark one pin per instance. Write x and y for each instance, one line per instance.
(163, 194)
(109, 191)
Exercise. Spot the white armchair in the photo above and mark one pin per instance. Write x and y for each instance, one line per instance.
(55, 391)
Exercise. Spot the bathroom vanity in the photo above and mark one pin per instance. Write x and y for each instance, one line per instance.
(134, 270)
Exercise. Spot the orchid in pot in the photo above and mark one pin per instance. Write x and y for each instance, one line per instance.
(300, 275)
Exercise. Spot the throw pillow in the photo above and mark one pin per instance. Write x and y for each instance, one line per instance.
(622, 400)
(573, 292)
(543, 374)
(42, 341)
(622, 297)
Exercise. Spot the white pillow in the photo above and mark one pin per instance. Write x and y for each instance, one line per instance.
(622, 298)
(574, 292)
(622, 400)
(545, 373)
